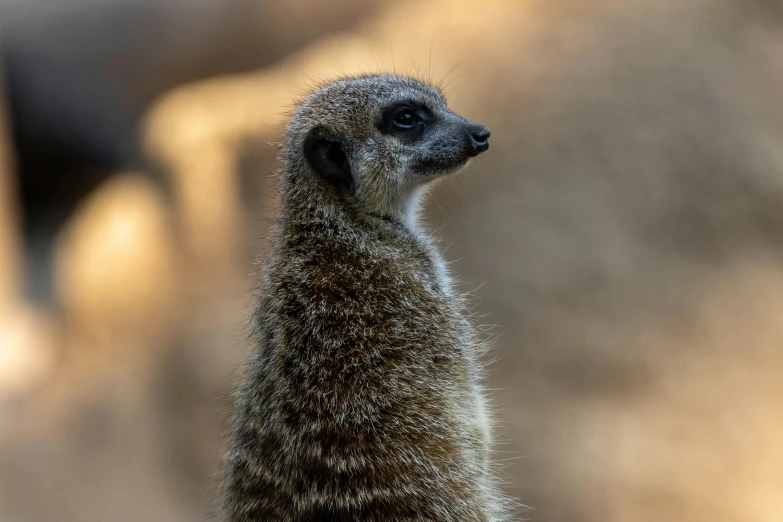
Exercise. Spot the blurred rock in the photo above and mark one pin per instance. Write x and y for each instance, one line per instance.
(116, 274)
(27, 350)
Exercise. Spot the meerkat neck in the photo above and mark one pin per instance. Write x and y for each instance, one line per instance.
(408, 209)
(308, 199)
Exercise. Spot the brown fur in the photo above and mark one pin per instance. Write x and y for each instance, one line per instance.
(363, 401)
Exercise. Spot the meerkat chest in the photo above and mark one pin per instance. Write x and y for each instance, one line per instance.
(369, 306)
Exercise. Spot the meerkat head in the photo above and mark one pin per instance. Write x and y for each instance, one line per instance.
(375, 141)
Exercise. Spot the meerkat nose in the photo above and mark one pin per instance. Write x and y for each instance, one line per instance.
(478, 140)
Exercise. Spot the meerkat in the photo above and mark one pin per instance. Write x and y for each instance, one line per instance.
(363, 400)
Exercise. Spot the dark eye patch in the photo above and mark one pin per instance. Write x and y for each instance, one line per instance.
(406, 119)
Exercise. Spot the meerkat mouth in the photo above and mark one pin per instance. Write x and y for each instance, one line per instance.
(462, 165)
(434, 169)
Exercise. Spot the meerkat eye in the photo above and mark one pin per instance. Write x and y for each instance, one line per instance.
(405, 118)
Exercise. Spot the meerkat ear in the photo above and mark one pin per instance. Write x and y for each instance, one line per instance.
(328, 159)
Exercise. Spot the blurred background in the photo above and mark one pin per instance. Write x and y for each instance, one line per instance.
(624, 235)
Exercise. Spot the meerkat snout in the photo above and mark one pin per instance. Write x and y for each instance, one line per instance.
(478, 140)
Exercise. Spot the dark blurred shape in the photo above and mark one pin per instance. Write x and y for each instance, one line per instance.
(10, 236)
(27, 342)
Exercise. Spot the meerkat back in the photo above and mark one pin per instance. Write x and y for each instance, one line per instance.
(363, 400)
